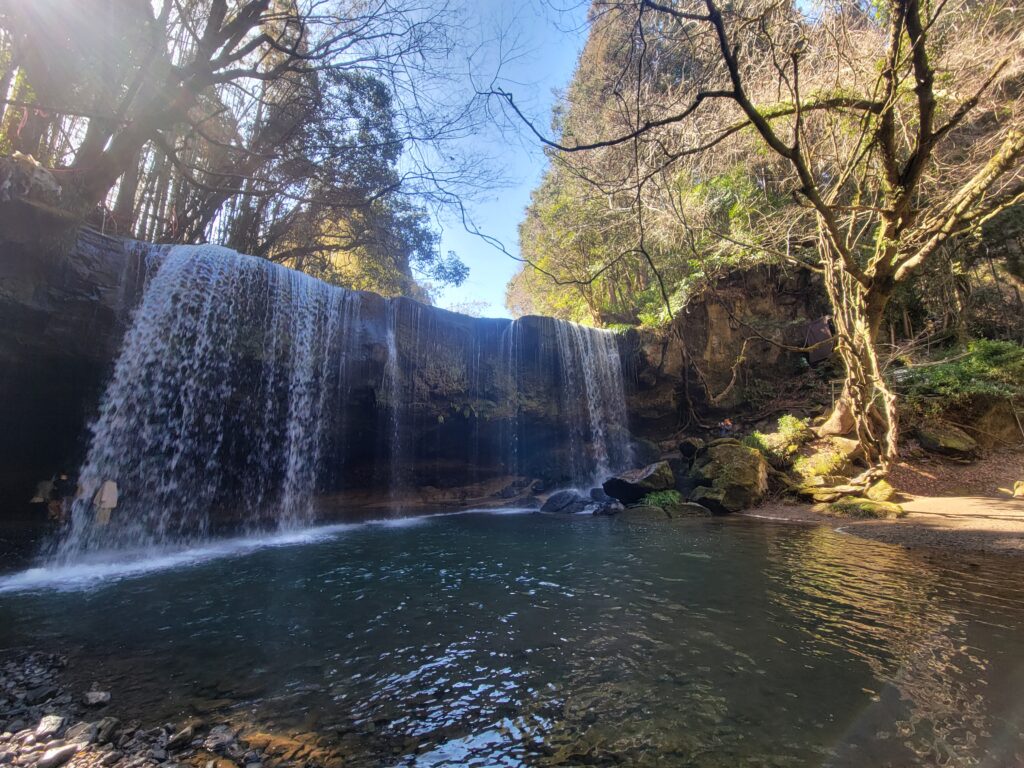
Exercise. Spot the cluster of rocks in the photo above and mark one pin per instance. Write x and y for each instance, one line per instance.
(696, 479)
(43, 724)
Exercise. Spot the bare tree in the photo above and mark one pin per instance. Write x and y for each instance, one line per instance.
(895, 128)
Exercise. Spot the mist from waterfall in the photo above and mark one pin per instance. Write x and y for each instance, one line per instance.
(230, 401)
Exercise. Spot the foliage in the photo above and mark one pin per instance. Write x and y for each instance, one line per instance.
(275, 128)
(823, 462)
(662, 499)
(781, 446)
(985, 367)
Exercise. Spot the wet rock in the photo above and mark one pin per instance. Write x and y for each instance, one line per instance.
(50, 727)
(946, 440)
(607, 508)
(82, 733)
(181, 739)
(220, 738)
(96, 698)
(690, 446)
(57, 756)
(728, 477)
(40, 694)
(106, 729)
(643, 513)
(630, 487)
(688, 509)
(598, 494)
(645, 452)
(565, 503)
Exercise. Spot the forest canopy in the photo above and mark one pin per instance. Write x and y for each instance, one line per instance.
(303, 131)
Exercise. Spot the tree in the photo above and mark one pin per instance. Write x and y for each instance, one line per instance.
(242, 122)
(893, 127)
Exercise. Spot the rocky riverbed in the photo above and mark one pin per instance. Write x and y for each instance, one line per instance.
(44, 722)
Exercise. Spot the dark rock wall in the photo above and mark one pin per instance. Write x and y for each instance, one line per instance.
(62, 318)
(676, 373)
(476, 404)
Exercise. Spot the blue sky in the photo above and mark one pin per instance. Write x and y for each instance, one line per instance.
(547, 38)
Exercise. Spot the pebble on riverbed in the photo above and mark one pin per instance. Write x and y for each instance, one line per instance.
(42, 724)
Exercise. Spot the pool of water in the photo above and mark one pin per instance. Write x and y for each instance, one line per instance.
(492, 640)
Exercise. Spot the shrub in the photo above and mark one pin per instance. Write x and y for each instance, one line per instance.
(662, 499)
(781, 446)
(984, 368)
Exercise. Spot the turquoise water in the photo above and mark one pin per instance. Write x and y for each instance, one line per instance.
(524, 639)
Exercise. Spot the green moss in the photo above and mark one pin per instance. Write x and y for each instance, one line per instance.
(820, 464)
(850, 506)
(984, 367)
(662, 499)
(881, 491)
(781, 446)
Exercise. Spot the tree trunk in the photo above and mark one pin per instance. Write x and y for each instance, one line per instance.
(867, 407)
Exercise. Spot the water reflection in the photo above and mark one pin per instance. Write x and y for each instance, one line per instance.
(525, 640)
(907, 618)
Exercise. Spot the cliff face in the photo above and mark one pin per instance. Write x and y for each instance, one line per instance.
(61, 324)
(424, 406)
(717, 359)
(433, 407)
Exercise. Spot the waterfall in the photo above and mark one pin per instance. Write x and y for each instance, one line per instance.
(594, 402)
(245, 392)
(221, 399)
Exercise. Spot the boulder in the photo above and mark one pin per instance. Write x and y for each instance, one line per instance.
(690, 446)
(686, 509)
(946, 440)
(83, 733)
(728, 476)
(50, 727)
(849, 506)
(644, 513)
(565, 503)
(606, 508)
(880, 491)
(645, 452)
(630, 487)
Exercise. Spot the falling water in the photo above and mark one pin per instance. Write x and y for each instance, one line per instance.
(230, 399)
(221, 398)
(594, 402)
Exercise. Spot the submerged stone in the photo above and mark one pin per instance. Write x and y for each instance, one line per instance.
(565, 502)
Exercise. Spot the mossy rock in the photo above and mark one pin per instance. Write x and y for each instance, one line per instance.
(881, 491)
(643, 513)
(687, 509)
(830, 458)
(946, 440)
(728, 476)
(850, 506)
